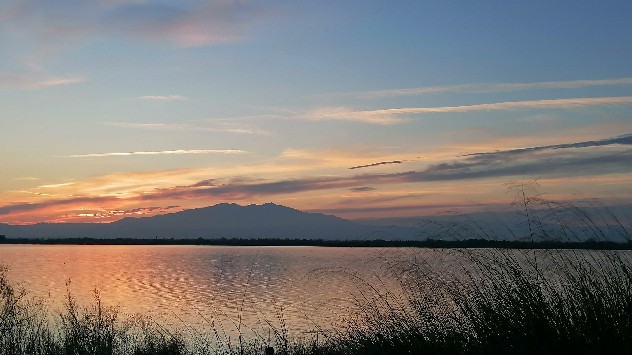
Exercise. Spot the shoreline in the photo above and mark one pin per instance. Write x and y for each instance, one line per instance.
(378, 243)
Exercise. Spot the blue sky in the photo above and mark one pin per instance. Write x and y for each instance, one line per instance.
(124, 107)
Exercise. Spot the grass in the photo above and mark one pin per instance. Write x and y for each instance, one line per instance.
(27, 327)
(469, 301)
(501, 302)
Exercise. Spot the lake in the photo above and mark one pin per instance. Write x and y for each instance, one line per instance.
(191, 287)
(219, 298)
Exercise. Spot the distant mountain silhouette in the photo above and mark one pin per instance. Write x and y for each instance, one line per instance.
(220, 221)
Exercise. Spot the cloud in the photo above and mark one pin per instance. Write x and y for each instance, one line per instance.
(106, 214)
(149, 126)
(189, 127)
(580, 159)
(233, 188)
(490, 87)
(379, 199)
(621, 140)
(554, 165)
(93, 211)
(209, 22)
(376, 164)
(472, 169)
(163, 98)
(26, 178)
(187, 24)
(381, 117)
(55, 81)
(237, 131)
(140, 211)
(26, 207)
(560, 161)
(35, 82)
(238, 189)
(362, 189)
(392, 116)
(54, 186)
(161, 152)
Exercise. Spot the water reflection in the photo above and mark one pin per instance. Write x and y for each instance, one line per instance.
(237, 289)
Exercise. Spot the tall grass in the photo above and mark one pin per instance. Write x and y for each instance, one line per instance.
(23, 326)
(505, 301)
(500, 302)
(28, 327)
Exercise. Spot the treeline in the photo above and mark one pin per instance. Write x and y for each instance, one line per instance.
(428, 243)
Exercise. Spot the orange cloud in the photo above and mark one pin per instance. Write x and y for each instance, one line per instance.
(298, 176)
(399, 115)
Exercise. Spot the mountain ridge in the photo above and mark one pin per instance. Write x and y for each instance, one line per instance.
(224, 220)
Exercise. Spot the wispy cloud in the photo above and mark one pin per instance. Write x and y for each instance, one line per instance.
(362, 189)
(489, 87)
(26, 207)
(380, 117)
(187, 24)
(163, 98)
(189, 127)
(53, 186)
(562, 160)
(115, 213)
(26, 178)
(34, 82)
(376, 164)
(558, 162)
(55, 81)
(580, 159)
(160, 152)
(149, 126)
(621, 140)
(394, 115)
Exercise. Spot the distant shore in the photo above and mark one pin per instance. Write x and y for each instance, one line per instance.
(430, 243)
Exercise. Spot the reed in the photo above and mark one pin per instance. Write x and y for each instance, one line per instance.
(23, 325)
(501, 301)
(27, 327)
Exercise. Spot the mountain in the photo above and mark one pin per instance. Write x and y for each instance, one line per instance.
(222, 220)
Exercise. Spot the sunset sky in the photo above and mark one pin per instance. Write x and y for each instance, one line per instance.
(117, 108)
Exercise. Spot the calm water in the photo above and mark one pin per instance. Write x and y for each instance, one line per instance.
(182, 286)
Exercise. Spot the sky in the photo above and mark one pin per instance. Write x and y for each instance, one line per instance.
(361, 109)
